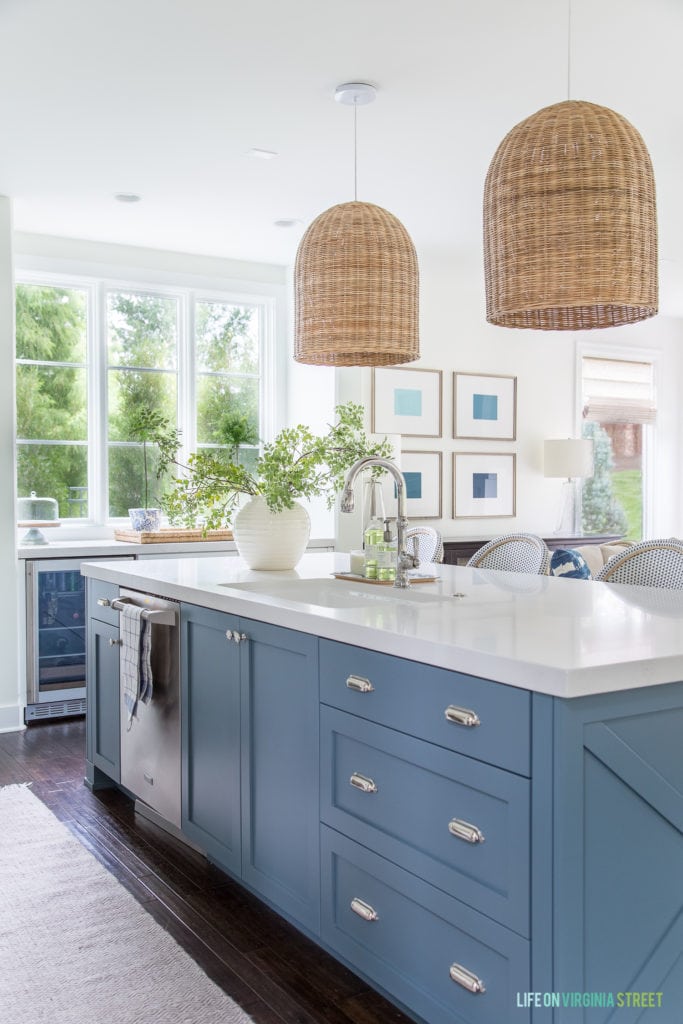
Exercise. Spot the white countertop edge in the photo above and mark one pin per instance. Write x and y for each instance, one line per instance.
(104, 547)
(627, 670)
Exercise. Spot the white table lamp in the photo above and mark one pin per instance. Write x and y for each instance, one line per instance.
(571, 458)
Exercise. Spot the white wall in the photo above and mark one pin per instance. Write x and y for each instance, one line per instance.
(10, 712)
(79, 256)
(311, 401)
(455, 336)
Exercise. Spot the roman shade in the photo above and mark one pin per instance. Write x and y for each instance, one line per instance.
(618, 390)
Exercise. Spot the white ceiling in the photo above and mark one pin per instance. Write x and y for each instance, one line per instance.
(165, 98)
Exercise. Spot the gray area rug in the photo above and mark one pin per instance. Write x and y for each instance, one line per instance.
(75, 946)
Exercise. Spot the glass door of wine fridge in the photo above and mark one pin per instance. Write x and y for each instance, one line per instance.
(55, 632)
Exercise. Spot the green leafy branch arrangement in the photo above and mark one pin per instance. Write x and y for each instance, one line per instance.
(297, 464)
(152, 428)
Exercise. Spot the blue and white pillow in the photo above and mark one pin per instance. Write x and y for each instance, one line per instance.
(570, 564)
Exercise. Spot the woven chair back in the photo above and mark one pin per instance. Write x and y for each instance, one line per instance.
(652, 563)
(513, 552)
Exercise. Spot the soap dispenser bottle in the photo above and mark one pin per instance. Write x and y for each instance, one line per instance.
(386, 558)
(373, 532)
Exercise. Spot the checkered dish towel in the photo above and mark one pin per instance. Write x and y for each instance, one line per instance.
(136, 659)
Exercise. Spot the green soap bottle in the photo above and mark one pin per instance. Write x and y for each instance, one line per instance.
(373, 533)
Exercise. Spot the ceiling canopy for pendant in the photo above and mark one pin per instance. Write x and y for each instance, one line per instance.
(570, 229)
(356, 282)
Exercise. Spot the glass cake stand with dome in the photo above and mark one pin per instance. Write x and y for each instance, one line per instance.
(37, 514)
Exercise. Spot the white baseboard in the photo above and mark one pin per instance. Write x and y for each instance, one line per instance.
(11, 718)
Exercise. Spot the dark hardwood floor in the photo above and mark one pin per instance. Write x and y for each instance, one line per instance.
(275, 973)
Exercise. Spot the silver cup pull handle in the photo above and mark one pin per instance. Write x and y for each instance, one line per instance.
(463, 830)
(462, 716)
(364, 910)
(360, 684)
(363, 783)
(461, 976)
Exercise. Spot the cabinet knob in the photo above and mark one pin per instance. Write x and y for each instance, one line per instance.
(104, 602)
(463, 977)
(364, 910)
(463, 830)
(115, 643)
(235, 636)
(462, 716)
(363, 783)
(360, 684)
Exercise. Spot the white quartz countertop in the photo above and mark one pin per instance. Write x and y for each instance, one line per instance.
(564, 637)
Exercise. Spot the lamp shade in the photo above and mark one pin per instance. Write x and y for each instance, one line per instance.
(570, 229)
(356, 289)
(570, 457)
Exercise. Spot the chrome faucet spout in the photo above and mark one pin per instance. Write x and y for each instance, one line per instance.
(404, 560)
(348, 499)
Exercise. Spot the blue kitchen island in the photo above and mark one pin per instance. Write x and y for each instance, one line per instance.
(471, 793)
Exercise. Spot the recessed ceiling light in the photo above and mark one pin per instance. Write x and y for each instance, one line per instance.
(127, 197)
(262, 154)
(287, 223)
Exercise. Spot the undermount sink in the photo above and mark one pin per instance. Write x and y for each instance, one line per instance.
(328, 593)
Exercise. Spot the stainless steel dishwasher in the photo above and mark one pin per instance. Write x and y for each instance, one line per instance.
(150, 741)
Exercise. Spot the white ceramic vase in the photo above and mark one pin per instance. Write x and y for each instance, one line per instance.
(271, 540)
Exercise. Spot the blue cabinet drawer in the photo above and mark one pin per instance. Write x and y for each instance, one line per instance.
(416, 698)
(407, 937)
(457, 823)
(100, 596)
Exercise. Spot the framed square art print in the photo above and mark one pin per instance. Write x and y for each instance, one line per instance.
(406, 402)
(484, 406)
(422, 473)
(483, 485)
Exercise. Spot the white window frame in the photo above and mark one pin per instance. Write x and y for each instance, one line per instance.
(630, 355)
(268, 299)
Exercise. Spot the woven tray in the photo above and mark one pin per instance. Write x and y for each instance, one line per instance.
(170, 535)
(352, 577)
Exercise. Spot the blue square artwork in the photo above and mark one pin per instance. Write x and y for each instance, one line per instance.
(484, 485)
(407, 402)
(413, 485)
(485, 407)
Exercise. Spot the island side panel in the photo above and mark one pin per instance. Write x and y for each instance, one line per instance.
(618, 841)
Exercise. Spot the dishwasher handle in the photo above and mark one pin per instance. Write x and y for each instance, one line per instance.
(160, 616)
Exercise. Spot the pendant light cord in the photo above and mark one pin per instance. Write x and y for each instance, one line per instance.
(355, 152)
(569, 49)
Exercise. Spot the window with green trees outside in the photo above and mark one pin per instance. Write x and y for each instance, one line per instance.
(88, 357)
(619, 412)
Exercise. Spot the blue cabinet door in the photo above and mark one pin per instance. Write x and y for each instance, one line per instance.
(103, 742)
(280, 788)
(210, 713)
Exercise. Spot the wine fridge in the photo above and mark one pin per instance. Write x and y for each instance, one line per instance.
(55, 638)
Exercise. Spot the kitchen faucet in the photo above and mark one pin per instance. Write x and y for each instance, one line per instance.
(404, 561)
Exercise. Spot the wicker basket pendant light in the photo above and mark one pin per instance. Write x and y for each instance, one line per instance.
(356, 285)
(570, 228)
